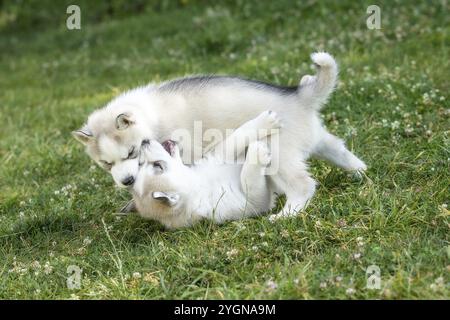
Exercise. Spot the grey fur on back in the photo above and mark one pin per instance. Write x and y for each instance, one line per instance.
(201, 81)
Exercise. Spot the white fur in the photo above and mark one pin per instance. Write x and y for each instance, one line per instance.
(159, 111)
(210, 189)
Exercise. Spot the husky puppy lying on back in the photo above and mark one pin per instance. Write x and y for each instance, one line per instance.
(177, 195)
(113, 135)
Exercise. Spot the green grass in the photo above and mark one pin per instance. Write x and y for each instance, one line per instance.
(392, 108)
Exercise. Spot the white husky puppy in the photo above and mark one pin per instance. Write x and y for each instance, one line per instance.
(177, 195)
(113, 134)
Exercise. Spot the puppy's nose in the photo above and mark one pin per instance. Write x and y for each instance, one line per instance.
(128, 181)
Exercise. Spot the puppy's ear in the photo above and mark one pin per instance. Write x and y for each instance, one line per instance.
(84, 135)
(124, 120)
(168, 198)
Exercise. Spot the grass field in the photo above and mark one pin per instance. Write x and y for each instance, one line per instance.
(392, 108)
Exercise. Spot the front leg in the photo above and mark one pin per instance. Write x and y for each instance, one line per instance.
(258, 128)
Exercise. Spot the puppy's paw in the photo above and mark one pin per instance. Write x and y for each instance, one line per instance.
(357, 168)
(268, 120)
(283, 214)
(274, 217)
(278, 216)
(358, 174)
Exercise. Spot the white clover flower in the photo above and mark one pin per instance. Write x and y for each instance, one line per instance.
(271, 285)
(48, 268)
(232, 253)
(350, 291)
(409, 129)
(439, 281)
(285, 234)
(87, 241)
(137, 275)
(357, 255)
(18, 267)
(434, 287)
(359, 241)
(395, 125)
(240, 226)
(151, 278)
(426, 98)
(36, 265)
(323, 285)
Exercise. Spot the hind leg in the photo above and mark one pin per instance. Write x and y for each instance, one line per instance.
(295, 181)
(253, 178)
(333, 149)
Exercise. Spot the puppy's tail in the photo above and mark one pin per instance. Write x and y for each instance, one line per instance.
(315, 90)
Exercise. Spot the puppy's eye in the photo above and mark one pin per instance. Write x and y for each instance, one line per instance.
(158, 165)
(132, 153)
